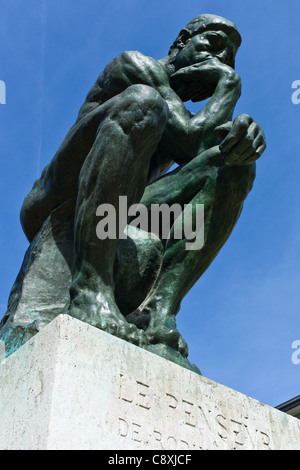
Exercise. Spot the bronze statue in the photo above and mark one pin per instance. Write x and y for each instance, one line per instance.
(130, 130)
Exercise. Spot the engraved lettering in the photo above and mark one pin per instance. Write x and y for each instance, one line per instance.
(190, 418)
(136, 429)
(250, 437)
(254, 436)
(265, 439)
(223, 432)
(123, 428)
(157, 435)
(201, 424)
(124, 385)
(185, 444)
(172, 443)
(208, 423)
(238, 430)
(172, 401)
(143, 396)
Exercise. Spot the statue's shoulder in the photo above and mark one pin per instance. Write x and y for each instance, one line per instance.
(138, 67)
(128, 68)
(135, 57)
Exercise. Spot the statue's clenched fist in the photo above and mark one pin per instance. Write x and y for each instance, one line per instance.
(244, 143)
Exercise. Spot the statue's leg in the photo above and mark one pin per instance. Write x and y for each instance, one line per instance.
(222, 190)
(117, 165)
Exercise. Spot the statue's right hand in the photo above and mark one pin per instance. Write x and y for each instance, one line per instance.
(244, 143)
(209, 72)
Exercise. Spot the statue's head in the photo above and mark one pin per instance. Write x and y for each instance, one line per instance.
(205, 37)
(213, 29)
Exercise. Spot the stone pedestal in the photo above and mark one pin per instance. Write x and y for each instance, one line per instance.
(75, 387)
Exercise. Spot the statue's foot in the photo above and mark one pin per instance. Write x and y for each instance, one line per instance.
(159, 330)
(171, 355)
(169, 337)
(104, 315)
(163, 338)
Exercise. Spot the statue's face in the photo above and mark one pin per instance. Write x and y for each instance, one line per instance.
(210, 44)
(203, 46)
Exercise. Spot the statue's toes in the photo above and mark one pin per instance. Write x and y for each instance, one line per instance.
(125, 331)
(135, 335)
(169, 337)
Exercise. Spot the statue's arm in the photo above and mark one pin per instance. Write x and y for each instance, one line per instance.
(184, 136)
(181, 139)
(225, 84)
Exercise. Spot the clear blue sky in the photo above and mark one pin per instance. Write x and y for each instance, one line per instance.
(242, 317)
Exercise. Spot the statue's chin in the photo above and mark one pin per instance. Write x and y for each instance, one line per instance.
(191, 91)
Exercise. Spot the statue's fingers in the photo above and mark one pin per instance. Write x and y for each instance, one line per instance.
(259, 141)
(223, 130)
(261, 149)
(244, 147)
(248, 157)
(258, 147)
(239, 129)
(247, 149)
(254, 130)
(253, 157)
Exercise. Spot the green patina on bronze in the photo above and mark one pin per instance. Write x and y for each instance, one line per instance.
(130, 130)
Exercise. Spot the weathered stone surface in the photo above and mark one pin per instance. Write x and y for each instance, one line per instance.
(74, 386)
